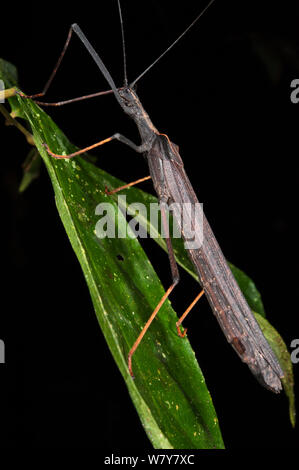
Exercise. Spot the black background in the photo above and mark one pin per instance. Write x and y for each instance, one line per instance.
(223, 95)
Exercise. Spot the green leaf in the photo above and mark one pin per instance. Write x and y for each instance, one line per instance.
(277, 344)
(249, 290)
(169, 391)
(9, 74)
(31, 169)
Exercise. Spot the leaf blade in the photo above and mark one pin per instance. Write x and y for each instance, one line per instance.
(169, 391)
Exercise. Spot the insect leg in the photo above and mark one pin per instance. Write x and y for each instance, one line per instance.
(175, 280)
(72, 100)
(138, 148)
(178, 323)
(47, 85)
(129, 185)
(51, 78)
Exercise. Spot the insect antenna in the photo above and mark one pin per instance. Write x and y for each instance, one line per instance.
(173, 44)
(123, 43)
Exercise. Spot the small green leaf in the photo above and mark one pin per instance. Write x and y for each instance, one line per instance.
(9, 74)
(249, 290)
(31, 169)
(279, 347)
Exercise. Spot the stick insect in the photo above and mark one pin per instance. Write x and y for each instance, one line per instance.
(173, 186)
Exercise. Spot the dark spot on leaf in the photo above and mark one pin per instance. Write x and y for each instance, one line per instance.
(120, 257)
